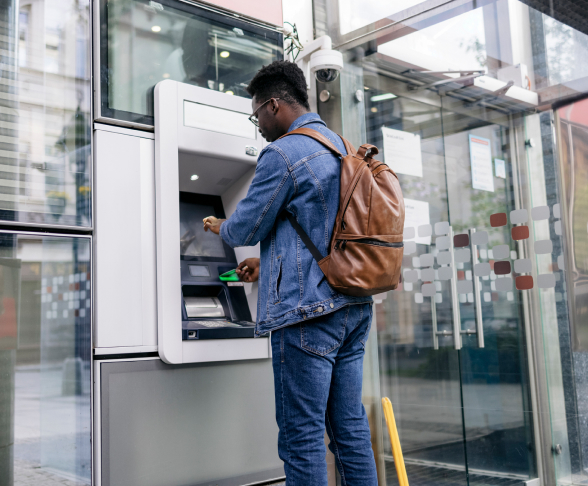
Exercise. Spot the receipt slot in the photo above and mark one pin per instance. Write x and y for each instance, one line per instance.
(204, 146)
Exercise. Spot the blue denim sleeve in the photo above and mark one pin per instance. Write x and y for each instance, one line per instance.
(269, 193)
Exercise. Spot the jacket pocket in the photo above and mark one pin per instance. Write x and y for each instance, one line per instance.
(277, 281)
(324, 334)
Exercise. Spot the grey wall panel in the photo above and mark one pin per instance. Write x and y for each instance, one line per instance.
(179, 425)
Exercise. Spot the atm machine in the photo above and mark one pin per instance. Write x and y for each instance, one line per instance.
(203, 142)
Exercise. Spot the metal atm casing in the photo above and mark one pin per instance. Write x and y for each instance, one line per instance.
(203, 132)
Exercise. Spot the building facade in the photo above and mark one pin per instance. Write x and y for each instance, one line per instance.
(479, 107)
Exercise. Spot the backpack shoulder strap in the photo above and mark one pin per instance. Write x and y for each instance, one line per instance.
(314, 251)
(319, 137)
(348, 146)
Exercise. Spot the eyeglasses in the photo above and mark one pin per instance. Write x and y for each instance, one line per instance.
(253, 118)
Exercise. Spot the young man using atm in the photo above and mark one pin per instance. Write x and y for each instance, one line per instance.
(318, 334)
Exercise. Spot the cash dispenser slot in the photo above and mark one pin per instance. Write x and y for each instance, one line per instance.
(207, 314)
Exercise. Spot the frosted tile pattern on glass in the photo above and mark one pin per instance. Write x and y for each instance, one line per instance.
(503, 284)
(443, 258)
(408, 233)
(523, 266)
(425, 230)
(442, 243)
(519, 216)
(445, 273)
(501, 252)
(480, 238)
(441, 228)
(556, 211)
(428, 275)
(539, 213)
(546, 281)
(428, 289)
(427, 260)
(411, 276)
(464, 286)
(409, 247)
(462, 256)
(557, 228)
(482, 269)
(543, 246)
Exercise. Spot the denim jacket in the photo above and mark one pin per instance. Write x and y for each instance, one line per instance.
(299, 175)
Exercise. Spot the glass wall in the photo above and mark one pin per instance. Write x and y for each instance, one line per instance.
(45, 113)
(45, 294)
(45, 349)
(145, 42)
(481, 348)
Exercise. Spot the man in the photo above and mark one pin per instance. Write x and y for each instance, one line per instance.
(318, 335)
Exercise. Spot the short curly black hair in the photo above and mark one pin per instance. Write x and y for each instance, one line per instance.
(280, 79)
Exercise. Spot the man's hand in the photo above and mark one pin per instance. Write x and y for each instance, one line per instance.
(213, 224)
(248, 270)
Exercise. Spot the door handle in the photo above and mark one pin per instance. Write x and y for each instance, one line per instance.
(454, 299)
(477, 298)
(436, 333)
(456, 331)
(456, 328)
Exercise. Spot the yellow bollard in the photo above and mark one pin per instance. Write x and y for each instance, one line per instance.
(395, 442)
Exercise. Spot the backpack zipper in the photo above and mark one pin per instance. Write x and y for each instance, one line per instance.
(340, 244)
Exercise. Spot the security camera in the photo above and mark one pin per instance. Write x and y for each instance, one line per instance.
(319, 58)
(326, 65)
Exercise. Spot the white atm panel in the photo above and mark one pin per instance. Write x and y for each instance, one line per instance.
(191, 144)
(125, 303)
(212, 119)
(212, 136)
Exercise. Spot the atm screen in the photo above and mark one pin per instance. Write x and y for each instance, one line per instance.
(195, 243)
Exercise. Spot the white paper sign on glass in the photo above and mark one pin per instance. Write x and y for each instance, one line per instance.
(416, 213)
(402, 152)
(500, 168)
(481, 160)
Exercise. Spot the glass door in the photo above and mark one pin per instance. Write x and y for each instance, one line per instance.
(492, 271)
(419, 362)
(452, 338)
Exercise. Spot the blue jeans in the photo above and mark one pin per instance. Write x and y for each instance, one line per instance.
(318, 372)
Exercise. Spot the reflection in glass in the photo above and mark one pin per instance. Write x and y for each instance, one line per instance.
(354, 14)
(44, 113)
(144, 43)
(44, 360)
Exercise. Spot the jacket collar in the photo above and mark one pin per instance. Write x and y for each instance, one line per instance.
(305, 120)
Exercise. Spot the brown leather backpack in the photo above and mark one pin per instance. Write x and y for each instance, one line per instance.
(366, 247)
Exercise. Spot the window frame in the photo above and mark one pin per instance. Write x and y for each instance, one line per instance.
(102, 112)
